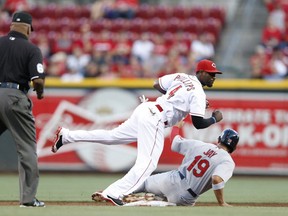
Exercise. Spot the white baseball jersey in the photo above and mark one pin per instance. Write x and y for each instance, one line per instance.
(146, 126)
(201, 162)
(184, 95)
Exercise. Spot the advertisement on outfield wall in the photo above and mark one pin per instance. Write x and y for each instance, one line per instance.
(261, 119)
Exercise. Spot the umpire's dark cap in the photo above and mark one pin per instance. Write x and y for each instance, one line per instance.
(22, 17)
(207, 66)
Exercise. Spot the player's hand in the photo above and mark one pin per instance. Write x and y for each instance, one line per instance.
(143, 99)
(217, 114)
(180, 124)
(40, 95)
(207, 104)
(225, 205)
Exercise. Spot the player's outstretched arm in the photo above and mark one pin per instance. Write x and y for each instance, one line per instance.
(158, 87)
(176, 130)
(200, 122)
(218, 187)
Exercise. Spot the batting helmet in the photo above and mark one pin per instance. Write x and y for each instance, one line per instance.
(229, 138)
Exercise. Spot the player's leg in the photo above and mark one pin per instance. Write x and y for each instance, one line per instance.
(171, 186)
(2, 127)
(158, 184)
(150, 146)
(123, 134)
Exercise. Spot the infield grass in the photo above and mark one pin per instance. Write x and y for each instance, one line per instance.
(79, 187)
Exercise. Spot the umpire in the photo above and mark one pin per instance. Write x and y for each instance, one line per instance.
(20, 63)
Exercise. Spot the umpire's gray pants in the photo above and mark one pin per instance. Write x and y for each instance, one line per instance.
(16, 116)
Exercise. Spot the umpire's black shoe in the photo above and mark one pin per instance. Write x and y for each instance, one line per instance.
(34, 203)
(57, 141)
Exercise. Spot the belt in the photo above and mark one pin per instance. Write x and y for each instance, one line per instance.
(161, 110)
(13, 85)
(192, 193)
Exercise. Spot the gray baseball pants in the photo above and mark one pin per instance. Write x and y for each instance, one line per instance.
(16, 116)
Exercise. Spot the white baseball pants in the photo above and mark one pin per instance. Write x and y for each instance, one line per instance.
(145, 126)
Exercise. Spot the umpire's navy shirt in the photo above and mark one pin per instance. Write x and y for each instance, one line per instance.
(20, 60)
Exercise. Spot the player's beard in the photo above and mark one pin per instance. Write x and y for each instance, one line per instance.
(210, 83)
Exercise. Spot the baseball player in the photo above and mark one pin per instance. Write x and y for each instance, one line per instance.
(204, 166)
(21, 63)
(183, 95)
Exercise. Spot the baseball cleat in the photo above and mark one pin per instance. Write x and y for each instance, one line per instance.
(57, 141)
(34, 203)
(117, 202)
(100, 197)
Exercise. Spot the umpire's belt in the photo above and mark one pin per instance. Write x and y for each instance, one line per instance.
(193, 194)
(161, 110)
(13, 85)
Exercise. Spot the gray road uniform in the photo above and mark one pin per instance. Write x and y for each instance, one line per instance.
(194, 176)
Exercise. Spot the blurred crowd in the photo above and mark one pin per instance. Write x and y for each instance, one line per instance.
(120, 38)
(270, 60)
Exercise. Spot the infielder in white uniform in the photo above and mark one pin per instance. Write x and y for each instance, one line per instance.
(183, 95)
(204, 166)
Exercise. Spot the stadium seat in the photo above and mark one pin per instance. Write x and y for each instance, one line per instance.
(198, 12)
(52, 36)
(145, 11)
(193, 25)
(46, 24)
(51, 10)
(118, 25)
(37, 11)
(85, 11)
(97, 25)
(138, 25)
(181, 12)
(213, 26)
(174, 25)
(5, 26)
(156, 25)
(67, 23)
(217, 13)
(79, 23)
(71, 11)
(169, 38)
(163, 12)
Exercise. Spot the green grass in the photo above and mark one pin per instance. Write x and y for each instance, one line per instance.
(80, 186)
(143, 211)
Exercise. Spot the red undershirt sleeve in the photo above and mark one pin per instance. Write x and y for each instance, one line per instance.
(174, 132)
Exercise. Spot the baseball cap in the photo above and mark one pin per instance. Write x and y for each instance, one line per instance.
(22, 17)
(208, 66)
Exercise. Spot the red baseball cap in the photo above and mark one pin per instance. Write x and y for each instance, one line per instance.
(208, 66)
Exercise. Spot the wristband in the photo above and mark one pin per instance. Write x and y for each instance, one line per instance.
(214, 119)
(218, 186)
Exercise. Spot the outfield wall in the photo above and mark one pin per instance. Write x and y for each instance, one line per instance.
(258, 110)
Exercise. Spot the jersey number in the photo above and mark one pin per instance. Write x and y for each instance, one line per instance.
(198, 166)
(172, 92)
